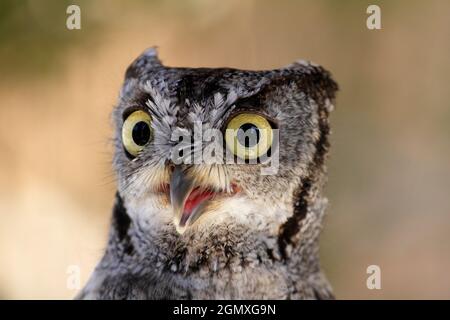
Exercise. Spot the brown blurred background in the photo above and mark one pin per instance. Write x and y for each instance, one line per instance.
(389, 168)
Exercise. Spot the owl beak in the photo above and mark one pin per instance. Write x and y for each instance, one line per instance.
(188, 201)
(180, 188)
(191, 198)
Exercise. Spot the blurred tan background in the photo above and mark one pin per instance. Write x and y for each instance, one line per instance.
(390, 163)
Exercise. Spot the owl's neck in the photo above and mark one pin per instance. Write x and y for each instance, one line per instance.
(227, 245)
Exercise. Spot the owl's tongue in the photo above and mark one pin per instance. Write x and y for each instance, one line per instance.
(195, 198)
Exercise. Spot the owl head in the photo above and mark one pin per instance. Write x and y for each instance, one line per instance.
(202, 151)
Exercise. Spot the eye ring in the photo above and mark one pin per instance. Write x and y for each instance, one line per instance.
(252, 148)
(136, 132)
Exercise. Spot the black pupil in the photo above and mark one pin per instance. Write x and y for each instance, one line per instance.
(141, 133)
(248, 135)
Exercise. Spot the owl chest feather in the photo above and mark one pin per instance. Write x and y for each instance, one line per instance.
(237, 265)
(266, 280)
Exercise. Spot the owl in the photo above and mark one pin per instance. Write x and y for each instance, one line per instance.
(219, 184)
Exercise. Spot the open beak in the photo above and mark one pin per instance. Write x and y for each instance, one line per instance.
(188, 200)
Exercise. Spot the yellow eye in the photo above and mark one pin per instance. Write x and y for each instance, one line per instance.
(249, 135)
(136, 132)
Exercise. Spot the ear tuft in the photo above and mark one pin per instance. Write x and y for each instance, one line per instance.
(147, 61)
(314, 80)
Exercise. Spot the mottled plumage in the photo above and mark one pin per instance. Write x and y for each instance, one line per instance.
(258, 239)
